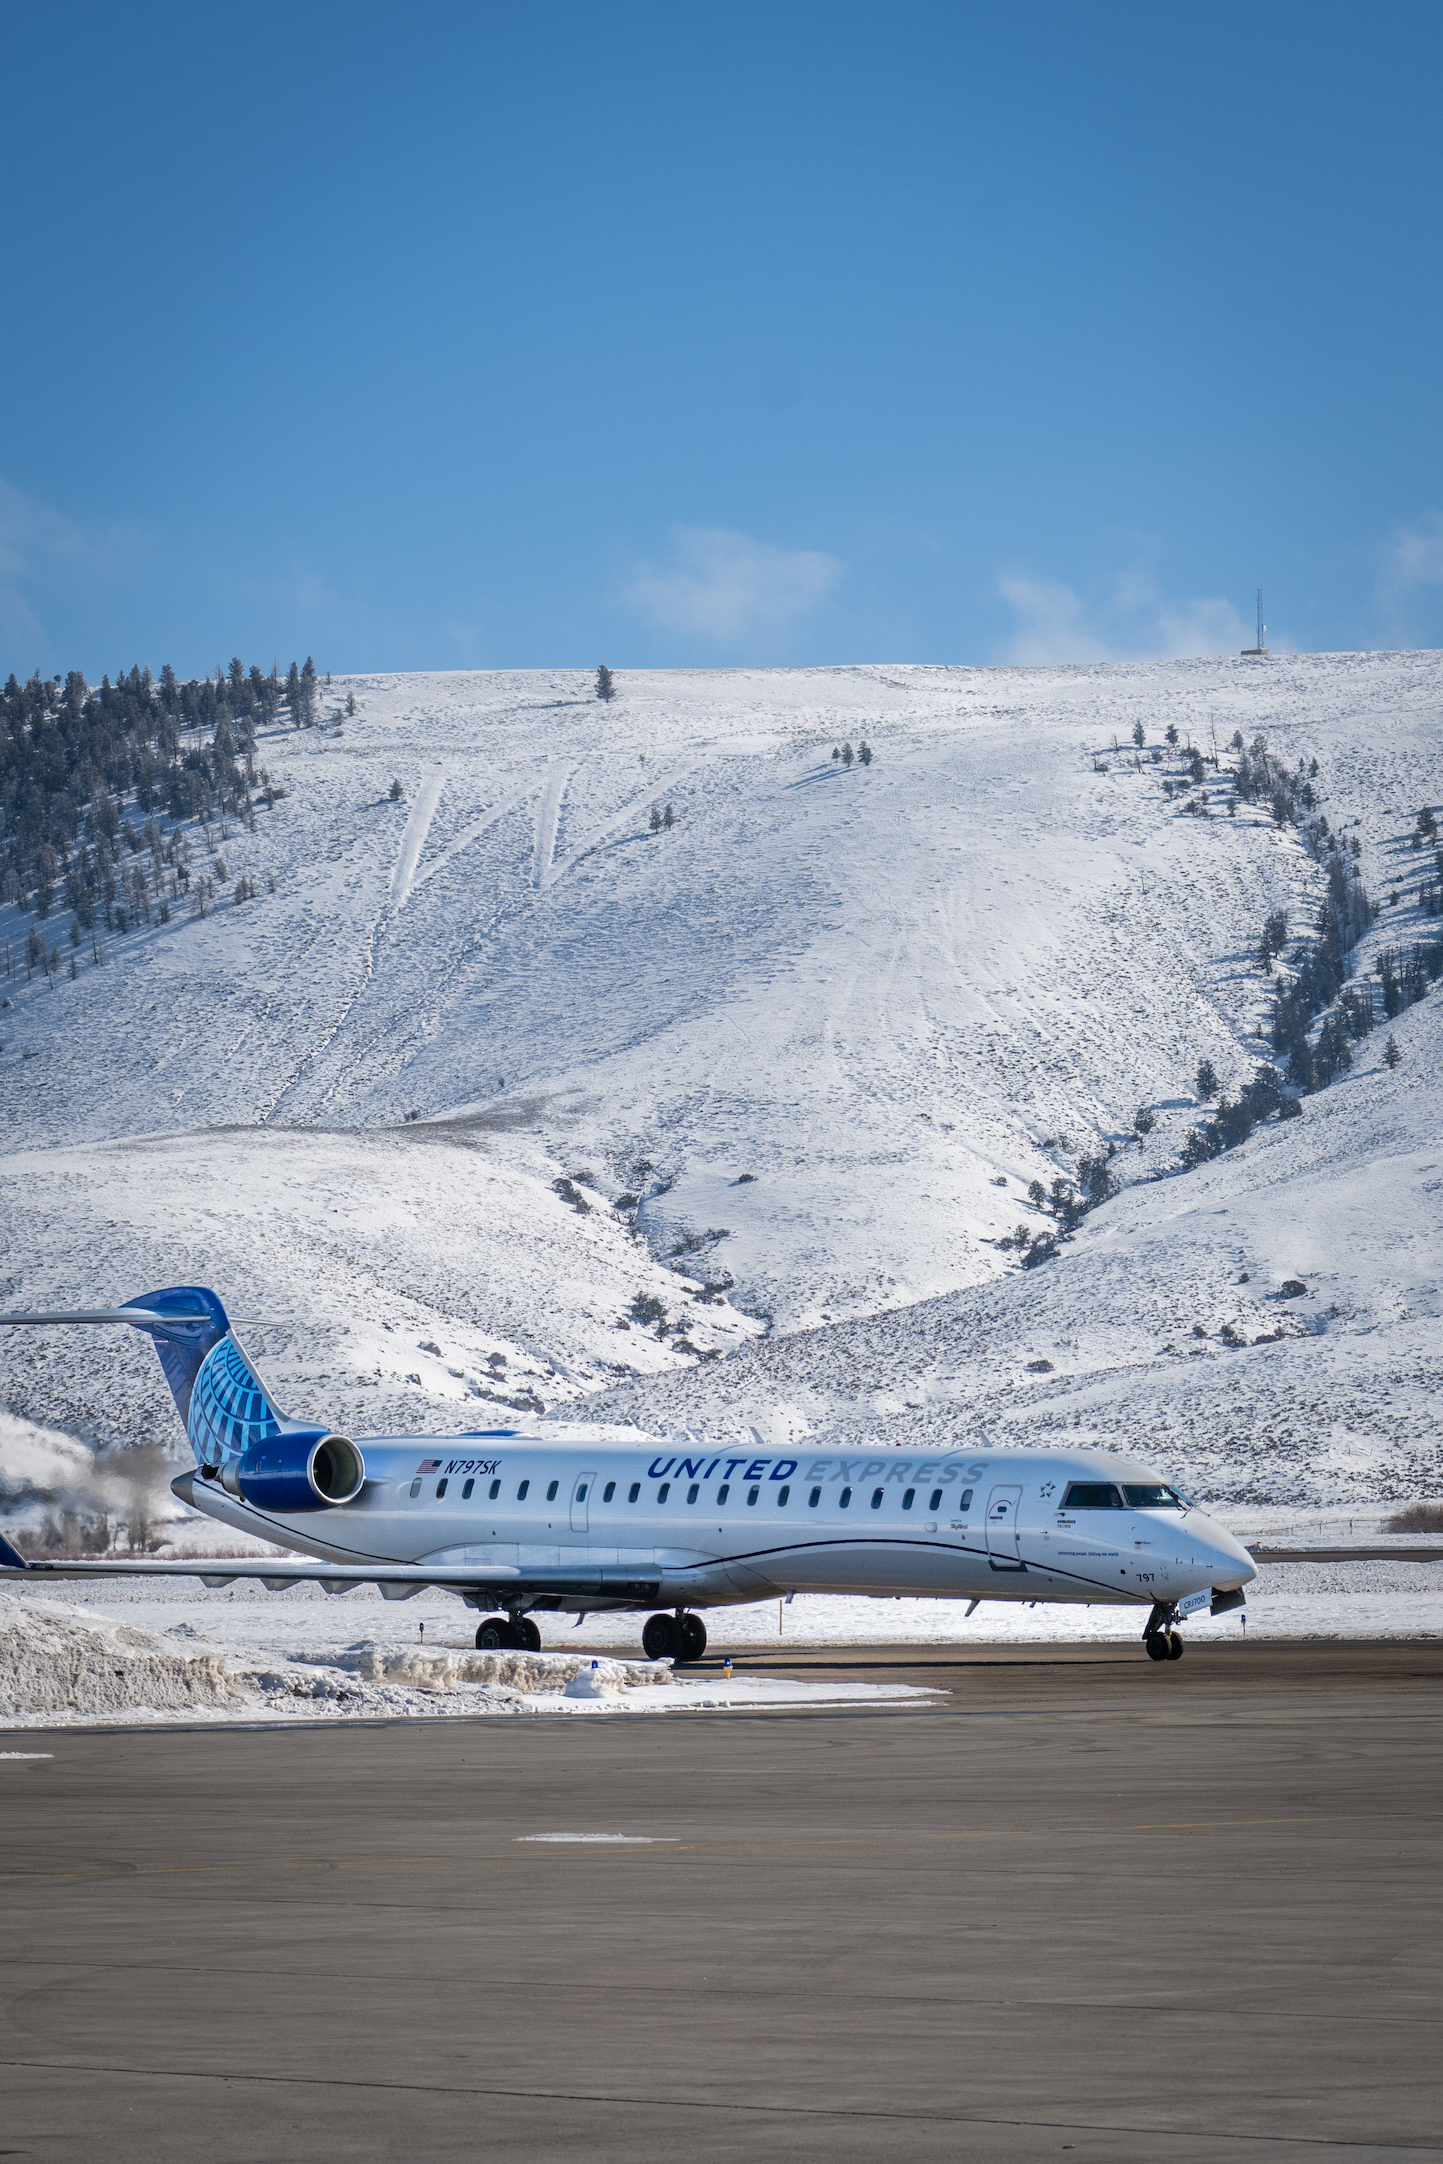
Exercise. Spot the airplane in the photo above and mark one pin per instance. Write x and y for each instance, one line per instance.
(523, 1523)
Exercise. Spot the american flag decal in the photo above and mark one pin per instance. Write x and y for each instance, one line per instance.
(429, 1465)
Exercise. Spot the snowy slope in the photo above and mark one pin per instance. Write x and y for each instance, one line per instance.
(881, 993)
(1332, 1396)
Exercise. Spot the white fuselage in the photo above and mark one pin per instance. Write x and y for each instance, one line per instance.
(576, 1523)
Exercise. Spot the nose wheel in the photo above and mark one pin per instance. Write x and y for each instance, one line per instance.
(1161, 1639)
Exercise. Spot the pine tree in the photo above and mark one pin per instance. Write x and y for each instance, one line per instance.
(293, 694)
(1392, 1057)
(308, 692)
(1207, 1080)
(1139, 734)
(605, 687)
(397, 792)
(669, 818)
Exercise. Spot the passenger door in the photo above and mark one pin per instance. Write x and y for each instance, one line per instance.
(1003, 1532)
(581, 1501)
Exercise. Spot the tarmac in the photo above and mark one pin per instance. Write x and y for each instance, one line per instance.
(1082, 1904)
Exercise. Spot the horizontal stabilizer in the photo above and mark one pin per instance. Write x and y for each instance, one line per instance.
(141, 1315)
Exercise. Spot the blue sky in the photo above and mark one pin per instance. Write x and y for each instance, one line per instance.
(440, 336)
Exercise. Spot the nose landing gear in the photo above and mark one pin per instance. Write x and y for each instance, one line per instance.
(1162, 1639)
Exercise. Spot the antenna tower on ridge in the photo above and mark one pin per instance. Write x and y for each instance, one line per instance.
(1260, 651)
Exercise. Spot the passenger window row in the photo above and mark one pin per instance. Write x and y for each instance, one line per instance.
(1072, 1500)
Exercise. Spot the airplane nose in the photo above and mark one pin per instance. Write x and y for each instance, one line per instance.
(1231, 1565)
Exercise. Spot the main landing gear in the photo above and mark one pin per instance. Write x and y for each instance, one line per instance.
(679, 1638)
(504, 1633)
(1161, 1638)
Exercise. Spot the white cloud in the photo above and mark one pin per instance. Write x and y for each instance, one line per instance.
(1131, 621)
(1414, 561)
(1050, 625)
(41, 548)
(721, 585)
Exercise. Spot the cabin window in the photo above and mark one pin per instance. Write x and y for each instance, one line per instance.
(693, 1492)
(415, 1489)
(1092, 1495)
(466, 1491)
(551, 1491)
(814, 1498)
(876, 1498)
(1153, 1497)
(580, 1494)
(844, 1498)
(521, 1491)
(608, 1491)
(964, 1500)
(752, 1494)
(494, 1490)
(909, 1498)
(935, 1499)
(440, 1489)
(782, 1494)
(633, 1491)
(663, 1491)
(722, 1493)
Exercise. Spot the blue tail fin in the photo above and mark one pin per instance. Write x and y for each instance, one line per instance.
(218, 1394)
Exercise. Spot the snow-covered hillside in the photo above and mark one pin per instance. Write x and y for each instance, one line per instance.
(827, 1027)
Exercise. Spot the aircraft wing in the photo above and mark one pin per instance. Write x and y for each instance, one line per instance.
(397, 1581)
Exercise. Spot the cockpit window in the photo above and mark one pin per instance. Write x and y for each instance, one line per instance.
(1152, 1496)
(1091, 1495)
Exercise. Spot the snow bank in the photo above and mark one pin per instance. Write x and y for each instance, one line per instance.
(449, 1668)
(54, 1659)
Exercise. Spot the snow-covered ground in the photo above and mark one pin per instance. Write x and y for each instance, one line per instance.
(149, 1655)
(146, 1650)
(827, 1027)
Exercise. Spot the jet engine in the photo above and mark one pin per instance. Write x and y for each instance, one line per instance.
(305, 1470)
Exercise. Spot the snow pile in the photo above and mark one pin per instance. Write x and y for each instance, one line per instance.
(449, 1668)
(54, 1659)
(604, 1679)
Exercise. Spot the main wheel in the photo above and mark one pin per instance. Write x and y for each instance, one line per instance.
(528, 1634)
(494, 1635)
(1174, 1645)
(693, 1638)
(1156, 1643)
(661, 1640)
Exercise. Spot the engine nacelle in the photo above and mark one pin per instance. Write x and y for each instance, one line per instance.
(306, 1470)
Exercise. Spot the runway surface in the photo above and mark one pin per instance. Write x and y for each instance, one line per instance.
(1082, 1905)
